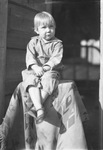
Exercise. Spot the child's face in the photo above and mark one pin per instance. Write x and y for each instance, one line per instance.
(46, 31)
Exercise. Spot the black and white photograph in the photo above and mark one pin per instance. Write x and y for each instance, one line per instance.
(51, 75)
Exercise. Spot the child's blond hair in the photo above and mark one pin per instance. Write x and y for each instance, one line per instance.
(43, 18)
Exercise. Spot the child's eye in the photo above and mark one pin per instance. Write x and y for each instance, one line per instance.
(43, 27)
(51, 26)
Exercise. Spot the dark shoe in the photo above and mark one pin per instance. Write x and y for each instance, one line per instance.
(40, 118)
(32, 112)
(62, 128)
(2, 139)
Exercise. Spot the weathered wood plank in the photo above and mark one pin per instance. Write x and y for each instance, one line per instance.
(3, 33)
(20, 26)
(15, 64)
(38, 5)
(101, 79)
(18, 39)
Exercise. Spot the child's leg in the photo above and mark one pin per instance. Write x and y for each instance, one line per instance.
(35, 96)
(50, 81)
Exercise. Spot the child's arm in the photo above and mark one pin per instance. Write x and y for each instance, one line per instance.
(46, 68)
(31, 59)
(37, 70)
(56, 57)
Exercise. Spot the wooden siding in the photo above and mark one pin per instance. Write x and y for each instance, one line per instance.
(3, 33)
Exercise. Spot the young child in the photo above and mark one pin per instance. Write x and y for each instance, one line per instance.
(43, 60)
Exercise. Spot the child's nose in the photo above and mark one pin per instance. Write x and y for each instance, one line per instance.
(48, 29)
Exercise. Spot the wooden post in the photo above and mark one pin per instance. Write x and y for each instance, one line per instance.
(101, 78)
(3, 34)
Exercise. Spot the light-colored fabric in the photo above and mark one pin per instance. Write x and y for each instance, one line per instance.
(48, 82)
(41, 53)
(64, 105)
(63, 109)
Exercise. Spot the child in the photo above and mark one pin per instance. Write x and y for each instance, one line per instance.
(43, 61)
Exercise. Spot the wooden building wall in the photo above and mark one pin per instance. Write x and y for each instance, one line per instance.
(3, 33)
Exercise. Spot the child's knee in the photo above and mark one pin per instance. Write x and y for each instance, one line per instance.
(28, 82)
(50, 85)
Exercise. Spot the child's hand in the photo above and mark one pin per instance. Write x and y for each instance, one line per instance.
(46, 68)
(38, 70)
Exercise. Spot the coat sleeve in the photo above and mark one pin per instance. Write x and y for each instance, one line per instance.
(31, 55)
(57, 55)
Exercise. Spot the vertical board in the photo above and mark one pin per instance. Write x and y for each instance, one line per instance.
(3, 33)
(101, 80)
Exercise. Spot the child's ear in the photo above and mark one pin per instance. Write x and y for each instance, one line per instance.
(36, 31)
